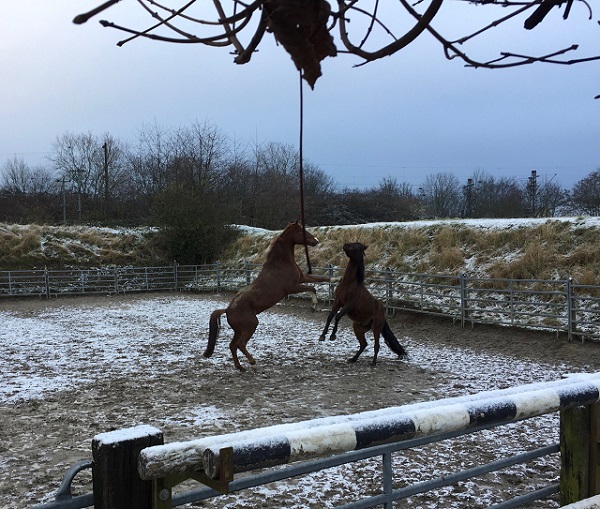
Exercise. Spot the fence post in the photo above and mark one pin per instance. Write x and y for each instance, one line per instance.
(117, 483)
(463, 299)
(330, 285)
(571, 312)
(116, 273)
(218, 270)
(579, 455)
(389, 293)
(47, 282)
(511, 301)
(248, 272)
(175, 275)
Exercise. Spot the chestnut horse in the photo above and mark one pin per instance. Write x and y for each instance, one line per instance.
(366, 312)
(279, 277)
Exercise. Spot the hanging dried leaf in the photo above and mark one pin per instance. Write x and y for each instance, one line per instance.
(301, 28)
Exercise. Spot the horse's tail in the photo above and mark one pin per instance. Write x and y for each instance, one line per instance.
(392, 342)
(213, 331)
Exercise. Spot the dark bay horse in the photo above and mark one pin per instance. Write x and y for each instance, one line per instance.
(366, 312)
(279, 277)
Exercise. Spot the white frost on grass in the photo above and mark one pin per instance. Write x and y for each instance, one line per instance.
(483, 224)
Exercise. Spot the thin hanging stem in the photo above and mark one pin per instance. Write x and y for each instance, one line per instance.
(302, 174)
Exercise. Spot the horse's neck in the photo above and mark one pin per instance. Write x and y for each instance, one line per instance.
(281, 251)
(355, 272)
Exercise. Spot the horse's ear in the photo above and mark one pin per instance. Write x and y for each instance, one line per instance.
(365, 246)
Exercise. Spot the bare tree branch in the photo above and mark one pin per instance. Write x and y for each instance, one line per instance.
(308, 29)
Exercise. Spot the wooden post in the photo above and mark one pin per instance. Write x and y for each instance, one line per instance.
(579, 475)
(117, 483)
(594, 449)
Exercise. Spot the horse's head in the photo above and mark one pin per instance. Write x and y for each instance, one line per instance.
(295, 234)
(355, 250)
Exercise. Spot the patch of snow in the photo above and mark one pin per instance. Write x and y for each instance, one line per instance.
(126, 435)
(483, 224)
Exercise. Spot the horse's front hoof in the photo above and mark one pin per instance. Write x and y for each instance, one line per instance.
(322, 337)
(332, 337)
(352, 360)
(240, 369)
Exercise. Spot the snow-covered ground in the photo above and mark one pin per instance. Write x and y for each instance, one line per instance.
(75, 368)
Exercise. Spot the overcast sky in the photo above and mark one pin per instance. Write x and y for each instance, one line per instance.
(406, 116)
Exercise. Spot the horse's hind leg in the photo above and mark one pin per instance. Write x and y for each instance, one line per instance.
(330, 317)
(244, 337)
(233, 348)
(375, 346)
(359, 332)
(242, 346)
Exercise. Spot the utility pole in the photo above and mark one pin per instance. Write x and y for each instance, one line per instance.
(532, 191)
(468, 191)
(78, 172)
(63, 181)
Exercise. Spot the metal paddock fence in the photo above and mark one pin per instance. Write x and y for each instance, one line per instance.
(563, 306)
(134, 469)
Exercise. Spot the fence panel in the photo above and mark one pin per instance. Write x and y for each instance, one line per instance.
(427, 293)
(292, 449)
(80, 282)
(556, 305)
(22, 283)
(584, 311)
(517, 302)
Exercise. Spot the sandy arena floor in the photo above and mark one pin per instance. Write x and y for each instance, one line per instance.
(75, 367)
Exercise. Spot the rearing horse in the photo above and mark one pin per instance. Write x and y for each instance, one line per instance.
(279, 277)
(366, 312)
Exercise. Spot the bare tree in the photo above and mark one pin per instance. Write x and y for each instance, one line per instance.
(551, 198)
(18, 177)
(311, 30)
(487, 196)
(441, 194)
(586, 194)
(149, 160)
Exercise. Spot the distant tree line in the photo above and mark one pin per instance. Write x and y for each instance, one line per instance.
(193, 182)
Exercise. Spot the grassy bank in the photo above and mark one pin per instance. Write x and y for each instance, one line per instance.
(516, 248)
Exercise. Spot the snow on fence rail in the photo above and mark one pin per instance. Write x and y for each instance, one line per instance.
(286, 443)
(558, 305)
(147, 479)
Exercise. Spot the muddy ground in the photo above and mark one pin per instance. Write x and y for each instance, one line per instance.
(40, 438)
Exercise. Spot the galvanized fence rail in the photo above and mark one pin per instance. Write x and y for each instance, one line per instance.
(137, 461)
(563, 306)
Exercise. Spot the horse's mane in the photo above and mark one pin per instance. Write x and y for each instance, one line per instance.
(277, 238)
(360, 271)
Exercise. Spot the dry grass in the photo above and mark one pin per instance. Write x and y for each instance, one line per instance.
(549, 250)
(34, 246)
